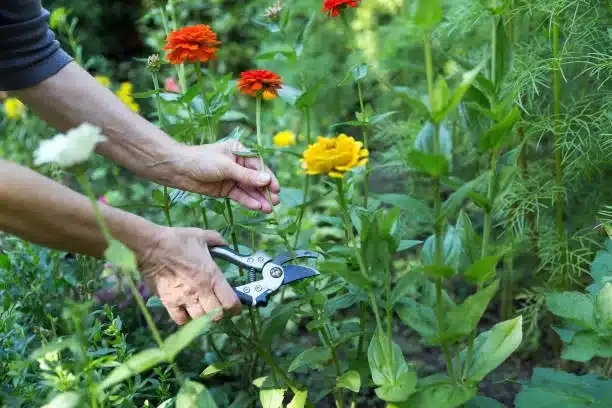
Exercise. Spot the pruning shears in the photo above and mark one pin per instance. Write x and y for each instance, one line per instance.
(276, 272)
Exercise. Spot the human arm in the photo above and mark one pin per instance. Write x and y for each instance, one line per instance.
(34, 69)
(174, 261)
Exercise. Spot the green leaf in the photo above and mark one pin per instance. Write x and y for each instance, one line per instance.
(463, 319)
(5, 262)
(154, 302)
(426, 13)
(417, 101)
(503, 53)
(158, 196)
(351, 380)
(309, 96)
(396, 382)
(419, 317)
(549, 388)
(496, 7)
(310, 358)
(455, 200)
(576, 307)
(407, 244)
(276, 323)
(301, 39)
(494, 138)
(144, 95)
(120, 256)
(494, 346)
(64, 400)
(586, 345)
(424, 141)
(136, 364)
(451, 248)
(381, 117)
(483, 402)
(483, 270)
(339, 268)
(433, 164)
(289, 94)
(272, 397)
(215, 368)
(177, 341)
(439, 391)
(232, 116)
(455, 99)
(405, 286)
(411, 206)
(194, 395)
(438, 271)
(299, 399)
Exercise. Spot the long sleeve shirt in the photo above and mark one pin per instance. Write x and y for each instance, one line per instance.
(29, 51)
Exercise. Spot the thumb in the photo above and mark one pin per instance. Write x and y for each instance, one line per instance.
(213, 238)
(249, 177)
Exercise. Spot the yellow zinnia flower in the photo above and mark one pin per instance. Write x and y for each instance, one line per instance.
(284, 138)
(13, 108)
(104, 80)
(125, 94)
(334, 156)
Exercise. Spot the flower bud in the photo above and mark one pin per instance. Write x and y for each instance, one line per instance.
(153, 63)
(603, 308)
(273, 12)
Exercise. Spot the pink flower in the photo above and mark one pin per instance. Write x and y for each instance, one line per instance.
(103, 200)
(171, 85)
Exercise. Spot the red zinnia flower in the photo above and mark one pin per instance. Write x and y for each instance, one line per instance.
(334, 7)
(260, 82)
(191, 44)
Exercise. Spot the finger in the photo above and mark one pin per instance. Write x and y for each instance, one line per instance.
(209, 303)
(226, 295)
(213, 238)
(178, 314)
(261, 197)
(245, 199)
(247, 176)
(255, 164)
(195, 309)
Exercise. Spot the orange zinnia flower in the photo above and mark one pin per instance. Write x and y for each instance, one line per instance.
(191, 44)
(260, 82)
(334, 7)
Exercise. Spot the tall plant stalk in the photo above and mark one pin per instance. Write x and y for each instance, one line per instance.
(160, 118)
(306, 182)
(438, 228)
(557, 130)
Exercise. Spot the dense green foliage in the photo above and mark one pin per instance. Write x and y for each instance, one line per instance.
(467, 265)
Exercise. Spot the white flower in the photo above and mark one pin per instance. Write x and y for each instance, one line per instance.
(71, 148)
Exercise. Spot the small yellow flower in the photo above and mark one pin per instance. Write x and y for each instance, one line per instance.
(125, 94)
(334, 156)
(104, 80)
(284, 138)
(13, 108)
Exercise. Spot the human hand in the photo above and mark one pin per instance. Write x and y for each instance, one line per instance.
(214, 170)
(178, 268)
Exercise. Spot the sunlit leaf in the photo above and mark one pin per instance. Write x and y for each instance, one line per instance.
(310, 358)
(136, 364)
(351, 380)
(64, 400)
(194, 395)
(186, 334)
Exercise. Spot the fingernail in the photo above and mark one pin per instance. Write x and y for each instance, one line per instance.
(263, 178)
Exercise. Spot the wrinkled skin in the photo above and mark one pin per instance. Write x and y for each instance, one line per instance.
(177, 265)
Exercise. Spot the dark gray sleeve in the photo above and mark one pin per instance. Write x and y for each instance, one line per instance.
(29, 52)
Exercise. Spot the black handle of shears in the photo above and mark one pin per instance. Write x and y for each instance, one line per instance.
(228, 254)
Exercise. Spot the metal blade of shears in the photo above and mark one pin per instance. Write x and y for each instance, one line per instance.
(297, 272)
(297, 254)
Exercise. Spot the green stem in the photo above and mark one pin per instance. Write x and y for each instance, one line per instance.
(362, 267)
(179, 68)
(302, 211)
(211, 136)
(389, 309)
(437, 210)
(167, 206)
(364, 130)
(205, 219)
(84, 182)
(557, 130)
(494, 47)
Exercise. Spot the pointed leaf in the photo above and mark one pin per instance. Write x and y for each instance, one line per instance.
(194, 395)
(455, 99)
(272, 397)
(64, 400)
(136, 364)
(426, 13)
(299, 400)
(576, 307)
(494, 346)
(440, 392)
(351, 380)
(433, 164)
(483, 270)
(186, 334)
(494, 138)
(310, 358)
(503, 53)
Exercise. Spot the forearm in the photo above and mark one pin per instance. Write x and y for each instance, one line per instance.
(72, 97)
(47, 213)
